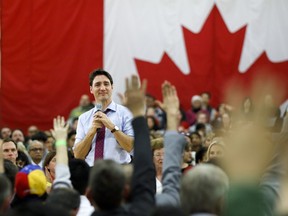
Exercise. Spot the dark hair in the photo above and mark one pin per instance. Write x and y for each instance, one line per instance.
(79, 170)
(200, 154)
(195, 133)
(107, 180)
(70, 134)
(98, 72)
(200, 126)
(10, 170)
(6, 140)
(48, 158)
(65, 197)
(23, 157)
(40, 136)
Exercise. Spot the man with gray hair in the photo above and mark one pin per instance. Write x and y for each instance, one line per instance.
(203, 189)
(36, 152)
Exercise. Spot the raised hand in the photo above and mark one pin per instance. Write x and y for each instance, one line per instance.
(135, 94)
(170, 105)
(60, 128)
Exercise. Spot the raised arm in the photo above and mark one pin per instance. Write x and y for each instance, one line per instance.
(62, 172)
(143, 178)
(173, 147)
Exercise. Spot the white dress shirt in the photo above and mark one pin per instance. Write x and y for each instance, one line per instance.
(121, 117)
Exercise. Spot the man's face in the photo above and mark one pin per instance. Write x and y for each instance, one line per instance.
(101, 88)
(9, 151)
(36, 150)
(18, 136)
(5, 133)
(32, 130)
(205, 98)
(84, 101)
(196, 142)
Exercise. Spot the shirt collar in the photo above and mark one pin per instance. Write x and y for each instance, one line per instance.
(112, 106)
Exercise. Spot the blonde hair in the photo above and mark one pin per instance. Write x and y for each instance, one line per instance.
(218, 142)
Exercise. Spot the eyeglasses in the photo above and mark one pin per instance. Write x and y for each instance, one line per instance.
(36, 149)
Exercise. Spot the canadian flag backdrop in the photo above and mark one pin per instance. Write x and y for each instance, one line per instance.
(48, 48)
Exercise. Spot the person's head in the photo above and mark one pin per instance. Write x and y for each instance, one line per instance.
(101, 85)
(152, 123)
(203, 189)
(30, 185)
(79, 170)
(50, 143)
(202, 117)
(206, 96)
(71, 138)
(84, 101)
(65, 197)
(215, 150)
(150, 100)
(5, 194)
(157, 146)
(208, 139)
(36, 150)
(201, 155)
(196, 102)
(196, 141)
(49, 165)
(106, 185)
(187, 154)
(150, 111)
(22, 159)
(18, 136)
(9, 150)
(32, 130)
(5, 132)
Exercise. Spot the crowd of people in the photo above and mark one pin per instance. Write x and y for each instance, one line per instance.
(149, 157)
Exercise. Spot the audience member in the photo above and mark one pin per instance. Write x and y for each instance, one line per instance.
(36, 152)
(9, 150)
(5, 133)
(18, 136)
(157, 146)
(22, 160)
(84, 106)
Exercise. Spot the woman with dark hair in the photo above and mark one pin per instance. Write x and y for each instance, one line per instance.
(49, 167)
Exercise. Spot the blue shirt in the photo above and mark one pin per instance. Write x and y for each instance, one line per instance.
(121, 117)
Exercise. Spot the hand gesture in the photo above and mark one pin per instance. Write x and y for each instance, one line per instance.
(170, 105)
(96, 123)
(102, 119)
(60, 128)
(135, 94)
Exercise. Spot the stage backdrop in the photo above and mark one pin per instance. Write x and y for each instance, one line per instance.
(50, 46)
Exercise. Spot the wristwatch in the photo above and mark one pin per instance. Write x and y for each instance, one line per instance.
(116, 128)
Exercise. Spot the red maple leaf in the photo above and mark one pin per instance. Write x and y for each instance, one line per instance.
(214, 56)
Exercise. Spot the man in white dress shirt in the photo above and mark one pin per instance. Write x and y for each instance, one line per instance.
(114, 118)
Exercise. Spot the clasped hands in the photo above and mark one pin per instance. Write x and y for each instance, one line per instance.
(100, 119)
